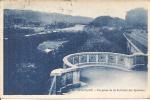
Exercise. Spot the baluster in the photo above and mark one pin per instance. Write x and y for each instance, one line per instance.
(87, 58)
(106, 58)
(117, 59)
(96, 57)
(73, 60)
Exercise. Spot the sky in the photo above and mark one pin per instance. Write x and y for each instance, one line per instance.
(88, 8)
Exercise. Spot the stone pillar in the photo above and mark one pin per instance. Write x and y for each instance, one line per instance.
(73, 60)
(106, 58)
(117, 60)
(79, 59)
(96, 57)
(76, 76)
(56, 83)
(87, 58)
(129, 62)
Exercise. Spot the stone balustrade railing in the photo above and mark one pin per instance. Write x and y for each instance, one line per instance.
(69, 76)
(109, 59)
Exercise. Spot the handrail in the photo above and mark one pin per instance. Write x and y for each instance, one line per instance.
(72, 66)
(65, 59)
(53, 85)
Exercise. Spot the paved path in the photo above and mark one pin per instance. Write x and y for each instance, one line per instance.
(108, 78)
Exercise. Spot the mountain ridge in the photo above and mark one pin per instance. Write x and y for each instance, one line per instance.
(47, 18)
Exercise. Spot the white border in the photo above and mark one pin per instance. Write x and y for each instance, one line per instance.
(103, 95)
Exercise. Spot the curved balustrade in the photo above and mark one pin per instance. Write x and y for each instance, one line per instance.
(69, 76)
(108, 59)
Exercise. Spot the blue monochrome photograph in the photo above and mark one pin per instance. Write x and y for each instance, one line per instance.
(69, 49)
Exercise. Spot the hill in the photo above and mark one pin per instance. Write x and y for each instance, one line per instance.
(35, 17)
(108, 21)
(105, 34)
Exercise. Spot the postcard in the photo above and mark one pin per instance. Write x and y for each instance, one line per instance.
(74, 49)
